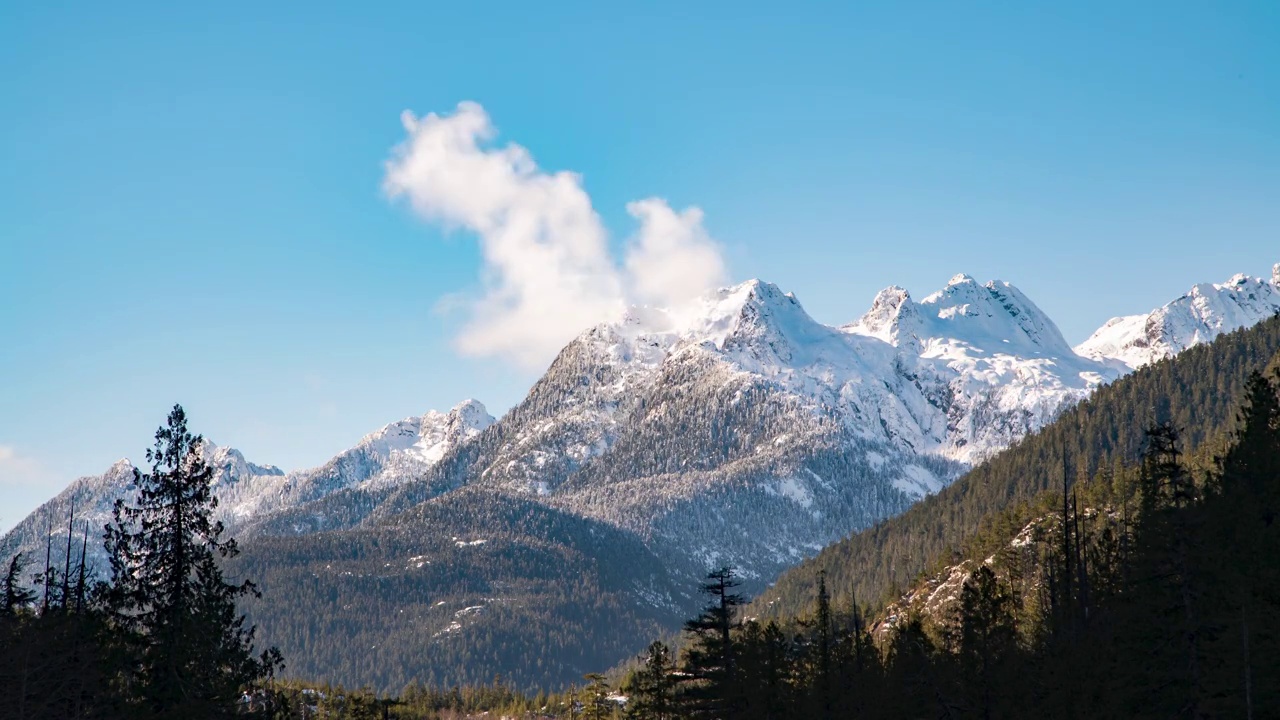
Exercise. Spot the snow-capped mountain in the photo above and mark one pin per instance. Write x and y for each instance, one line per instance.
(1202, 314)
(92, 498)
(740, 404)
(741, 411)
(734, 430)
(396, 453)
(999, 364)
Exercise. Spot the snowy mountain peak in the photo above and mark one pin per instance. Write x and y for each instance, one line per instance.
(429, 436)
(1033, 322)
(466, 420)
(1202, 314)
(229, 464)
(994, 318)
(122, 465)
(894, 318)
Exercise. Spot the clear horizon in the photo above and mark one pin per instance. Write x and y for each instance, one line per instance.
(207, 205)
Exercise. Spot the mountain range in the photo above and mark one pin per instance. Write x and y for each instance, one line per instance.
(735, 431)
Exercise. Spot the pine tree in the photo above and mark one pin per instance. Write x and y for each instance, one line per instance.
(710, 686)
(598, 705)
(652, 688)
(1166, 597)
(16, 596)
(1245, 518)
(168, 592)
(767, 668)
(821, 652)
(984, 638)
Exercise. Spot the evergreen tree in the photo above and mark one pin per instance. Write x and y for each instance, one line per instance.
(710, 687)
(1163, 615)
(16, 596)
(912, 671)
(820, 655)
(194, 654)
(1244, 519)
(598, 705)
(766, 666)
(984, 638)
(652, 689)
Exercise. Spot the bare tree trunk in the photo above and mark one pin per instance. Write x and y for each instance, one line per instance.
(1248, 668)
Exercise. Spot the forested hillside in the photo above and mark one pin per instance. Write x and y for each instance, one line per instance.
(1152, 595)
(475, 583)
(1198, 391)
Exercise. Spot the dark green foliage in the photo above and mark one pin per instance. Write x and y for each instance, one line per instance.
(984, 640)
(710, 685)
(651, 688)
(163, 638)
(167, 591)
(1171, 612)
(1198, 392)
(596, 703)
(16, 595)
(486, 583)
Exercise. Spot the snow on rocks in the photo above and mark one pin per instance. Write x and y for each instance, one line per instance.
(1202, 314)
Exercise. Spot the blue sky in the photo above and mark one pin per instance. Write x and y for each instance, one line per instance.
(192, 203)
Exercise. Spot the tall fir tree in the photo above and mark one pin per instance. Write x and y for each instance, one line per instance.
(651, 693)
(167, 589)
(710, 685)
(598, 706)
(16, 595)
(984, 639)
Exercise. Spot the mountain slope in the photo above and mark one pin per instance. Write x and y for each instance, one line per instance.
(93, 497)
(736, 431)
(740, 432)
(1198, 391)
(475, 583)
(397, 453)
(1199, 316)
(746, 413)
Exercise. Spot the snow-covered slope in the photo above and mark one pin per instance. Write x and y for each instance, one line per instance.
(93, 497)
(689, 426)
(394, 454)
(397, 453)
(1199, 316)
(984, 355)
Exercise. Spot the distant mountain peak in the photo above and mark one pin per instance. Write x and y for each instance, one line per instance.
(894, 318)
(995, 317)
(429, 436)
(1198, 316)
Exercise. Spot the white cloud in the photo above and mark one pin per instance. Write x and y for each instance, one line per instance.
(548, 271)
(672, 259)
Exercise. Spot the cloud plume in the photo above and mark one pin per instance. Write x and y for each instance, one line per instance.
(548, 270)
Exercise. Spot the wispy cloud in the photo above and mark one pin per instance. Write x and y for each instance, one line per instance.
(548, 271)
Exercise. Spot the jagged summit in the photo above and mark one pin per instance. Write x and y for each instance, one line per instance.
(995, 317)
(429, 436)
(1198, 316)
(230, 465)
(737, 409)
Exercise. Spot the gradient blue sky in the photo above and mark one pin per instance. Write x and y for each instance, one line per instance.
(190, 201)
